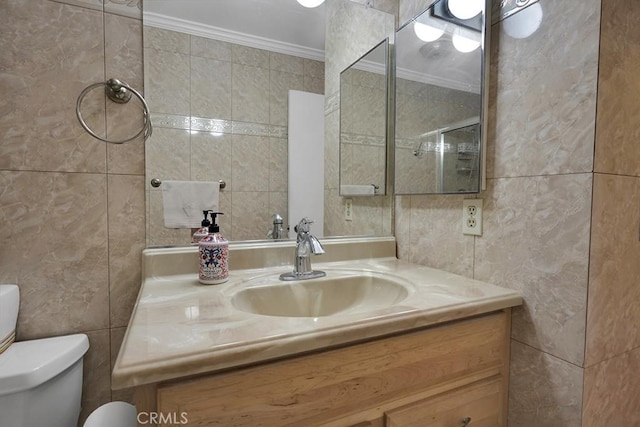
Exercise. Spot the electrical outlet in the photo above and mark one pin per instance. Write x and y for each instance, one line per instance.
(472, 217)
(348, 209)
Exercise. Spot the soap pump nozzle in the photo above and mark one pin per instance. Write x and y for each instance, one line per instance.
(214, 227)
(205, 222)
(203, 231)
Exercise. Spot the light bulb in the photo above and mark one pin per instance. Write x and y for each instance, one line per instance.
(464, 9)
(310, 3)
(524, 23)
(427, 33)
(464, 44)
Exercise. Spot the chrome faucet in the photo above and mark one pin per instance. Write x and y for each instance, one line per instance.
(277, 232)
(306, 244)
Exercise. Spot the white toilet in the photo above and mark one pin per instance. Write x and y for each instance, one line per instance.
(40, 380)
(113, 414)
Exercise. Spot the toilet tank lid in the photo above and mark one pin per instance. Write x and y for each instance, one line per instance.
(27, 364)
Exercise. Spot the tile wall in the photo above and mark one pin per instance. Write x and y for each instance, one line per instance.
(611, 381)
(347, 20)
(224, 119)
(74, 217)
(537, 207)
(72, 207)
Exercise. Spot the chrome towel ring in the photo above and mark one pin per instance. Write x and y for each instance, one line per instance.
(119, 92)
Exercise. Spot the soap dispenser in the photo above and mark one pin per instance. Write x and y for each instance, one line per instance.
(203, 231)
(214, 255)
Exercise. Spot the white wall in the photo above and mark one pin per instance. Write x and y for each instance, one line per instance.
(306, 160)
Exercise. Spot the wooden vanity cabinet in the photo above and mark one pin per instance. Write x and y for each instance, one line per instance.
(436, 376)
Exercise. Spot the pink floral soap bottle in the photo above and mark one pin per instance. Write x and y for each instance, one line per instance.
(214, 255)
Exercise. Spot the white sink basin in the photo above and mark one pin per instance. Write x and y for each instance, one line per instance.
(340, 292)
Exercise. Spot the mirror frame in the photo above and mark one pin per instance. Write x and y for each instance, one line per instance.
(484, 98)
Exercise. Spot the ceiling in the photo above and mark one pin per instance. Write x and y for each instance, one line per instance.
(274, 21)
(287, 27)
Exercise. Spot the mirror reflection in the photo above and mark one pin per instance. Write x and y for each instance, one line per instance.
(439, 104)
(363, 124)
(217, 80)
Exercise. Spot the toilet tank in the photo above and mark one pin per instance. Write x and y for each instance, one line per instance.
(41, 382)
(9, 304)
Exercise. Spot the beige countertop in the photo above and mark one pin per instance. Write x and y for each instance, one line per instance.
(181, 328)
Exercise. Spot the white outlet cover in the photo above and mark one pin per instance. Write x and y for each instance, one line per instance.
(348, 210)
(467, 228)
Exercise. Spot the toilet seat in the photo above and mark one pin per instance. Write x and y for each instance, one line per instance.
(27, 364)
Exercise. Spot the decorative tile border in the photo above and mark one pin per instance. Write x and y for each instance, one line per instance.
(353, 138)
(425, 147)
(407, 143)
(202, 124)
(170, 121)
(255, 129)
(332, 103)
(211, 125)
(278, 131)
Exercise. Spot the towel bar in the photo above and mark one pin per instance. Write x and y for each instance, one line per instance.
(156, 182)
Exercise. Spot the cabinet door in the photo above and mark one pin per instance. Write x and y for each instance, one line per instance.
(475, 405)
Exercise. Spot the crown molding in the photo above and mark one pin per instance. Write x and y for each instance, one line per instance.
(403, 73)
(211, 32)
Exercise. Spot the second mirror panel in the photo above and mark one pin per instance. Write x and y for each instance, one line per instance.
(363, 124)
(439, 81)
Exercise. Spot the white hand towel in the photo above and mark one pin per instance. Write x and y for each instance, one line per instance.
(357, 190)
(184, 201)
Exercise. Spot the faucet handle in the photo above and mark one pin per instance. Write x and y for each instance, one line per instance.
(277, 218)
(304, 226)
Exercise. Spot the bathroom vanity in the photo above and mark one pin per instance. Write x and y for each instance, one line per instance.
(377, 342)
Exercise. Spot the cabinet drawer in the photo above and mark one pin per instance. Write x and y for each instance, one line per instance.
(475, 405)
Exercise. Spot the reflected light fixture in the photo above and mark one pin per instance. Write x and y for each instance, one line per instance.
(464, 9)
(523, 23)
(426, 32)
(464, 44)
(310, 3)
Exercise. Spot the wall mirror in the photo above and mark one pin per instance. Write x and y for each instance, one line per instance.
(363, 123)
(217, 76)
(441, 99)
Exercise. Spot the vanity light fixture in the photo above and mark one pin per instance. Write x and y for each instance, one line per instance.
(463, 42)
(463, 14)
(464, 9)
(427, 32)
(310, 3)
(524, 23)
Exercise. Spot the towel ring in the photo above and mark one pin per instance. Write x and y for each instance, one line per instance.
(119, 92)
